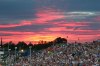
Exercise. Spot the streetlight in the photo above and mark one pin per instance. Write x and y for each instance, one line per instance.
(67, 40)
(8, 47)
(22, 50)
(9, 52)
(6, 62)
(9, 57)
(30, 54)
(15, 54)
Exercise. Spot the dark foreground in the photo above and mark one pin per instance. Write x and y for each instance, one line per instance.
(59, 55)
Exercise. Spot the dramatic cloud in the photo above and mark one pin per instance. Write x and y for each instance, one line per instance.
(23, 23)
(36, 20)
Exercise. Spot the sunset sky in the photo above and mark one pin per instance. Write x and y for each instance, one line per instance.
(34, 20)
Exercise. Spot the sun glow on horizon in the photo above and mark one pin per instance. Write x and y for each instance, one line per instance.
(50, 23)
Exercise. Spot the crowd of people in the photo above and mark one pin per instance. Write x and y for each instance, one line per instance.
(63, 55)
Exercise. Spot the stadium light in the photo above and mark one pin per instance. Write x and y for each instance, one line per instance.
(22, 50)
(15, 54)
(9, 56)
(30, 47)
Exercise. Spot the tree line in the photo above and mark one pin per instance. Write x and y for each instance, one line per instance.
(40, 46)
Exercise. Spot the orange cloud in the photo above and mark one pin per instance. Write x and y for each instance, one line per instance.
(34, 37)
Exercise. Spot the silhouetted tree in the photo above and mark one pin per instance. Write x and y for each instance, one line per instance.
(22, 45)
(60, 40)
(30, 44)
(40, 46)
(5, 46)
(9, 45)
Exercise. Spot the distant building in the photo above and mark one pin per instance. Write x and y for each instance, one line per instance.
(98, 40)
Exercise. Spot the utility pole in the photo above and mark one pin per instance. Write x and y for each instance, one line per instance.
(30, 47)
(67, 40)
(15, 54)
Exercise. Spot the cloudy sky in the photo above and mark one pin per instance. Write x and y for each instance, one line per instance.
(34, 20)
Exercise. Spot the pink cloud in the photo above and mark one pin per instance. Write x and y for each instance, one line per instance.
(58, 29)
(97, 19)
(43, 16)
(71, 23)
(49, 36)
(49, 17)
(22, 23)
